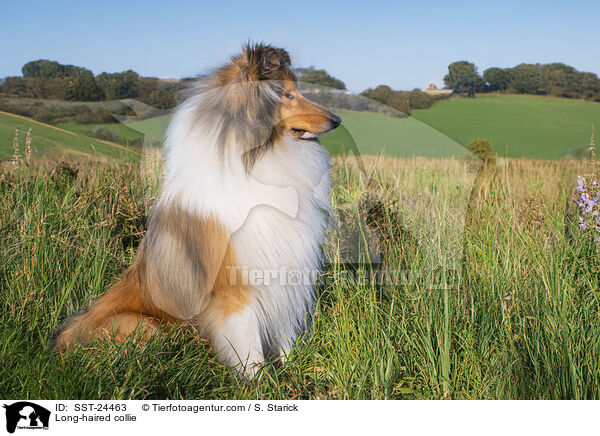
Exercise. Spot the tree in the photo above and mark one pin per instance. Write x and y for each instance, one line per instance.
(14, 86)
(119, 85)
(403, 101)
(420, 100)
(497, 79)
(400, 101)
(463, 78)
(590, 86)
(561, 80)
(380, 94)
(527, 79)
(46, 69)
(83, 87)
(319, 77)
(157, 93)
(42, 68)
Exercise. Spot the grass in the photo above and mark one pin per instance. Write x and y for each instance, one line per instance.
(128, 133)
(520, 125)
(46, 138)
(401, 137)
(370, 133)
(524, 323)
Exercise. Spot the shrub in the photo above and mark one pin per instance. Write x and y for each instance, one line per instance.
(106, 134)
(484, 150)
(496, 78)
(83, 87)
(319, 77)
(119, 85)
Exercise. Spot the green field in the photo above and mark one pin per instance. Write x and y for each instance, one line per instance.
(45, 137)
(129, 132)
(125, 134)
(373, 134)
(369, 133)
(523, 125)
(517, 126)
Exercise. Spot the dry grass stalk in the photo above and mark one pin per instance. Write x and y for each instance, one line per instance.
(28, 148)
(16, 158)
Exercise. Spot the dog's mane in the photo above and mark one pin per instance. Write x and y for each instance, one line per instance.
(241, 99)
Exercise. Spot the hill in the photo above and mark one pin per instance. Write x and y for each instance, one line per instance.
(530, 126)
(517, 125)
(369, 133)
(45, 137)
(374, 133)
(525, 126)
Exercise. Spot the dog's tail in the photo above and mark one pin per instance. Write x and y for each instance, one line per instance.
(58, 332)
(123, 309)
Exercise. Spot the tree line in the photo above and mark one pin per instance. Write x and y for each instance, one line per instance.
(403, 101)
(555, 79)
(46, 79)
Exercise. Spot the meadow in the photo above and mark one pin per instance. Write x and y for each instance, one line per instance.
(519, 317)
(523, 321)
(46, 137)
(517, 125)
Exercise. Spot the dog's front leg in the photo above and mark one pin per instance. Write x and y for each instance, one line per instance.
(238, 342)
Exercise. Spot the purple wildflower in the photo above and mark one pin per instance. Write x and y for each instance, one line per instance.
(588, 201)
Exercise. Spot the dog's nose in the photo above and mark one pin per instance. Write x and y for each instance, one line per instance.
(335, 121)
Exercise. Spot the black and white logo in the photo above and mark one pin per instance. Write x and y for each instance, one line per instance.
(26, 415)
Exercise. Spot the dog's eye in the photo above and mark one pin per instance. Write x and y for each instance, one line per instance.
(288, 95)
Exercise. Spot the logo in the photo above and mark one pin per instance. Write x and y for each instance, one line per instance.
(26, 415)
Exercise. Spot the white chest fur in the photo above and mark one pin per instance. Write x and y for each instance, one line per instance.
(282, 253)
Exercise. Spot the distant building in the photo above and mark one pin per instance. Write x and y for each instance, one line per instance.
(433, 89)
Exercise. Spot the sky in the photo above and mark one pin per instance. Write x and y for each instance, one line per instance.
(364, 43)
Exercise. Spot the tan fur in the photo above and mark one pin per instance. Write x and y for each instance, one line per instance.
(146, 297)
(230, 295)
(299, 114)
(184, 255)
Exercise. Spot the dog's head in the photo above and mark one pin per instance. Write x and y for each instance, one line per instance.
(258, 98)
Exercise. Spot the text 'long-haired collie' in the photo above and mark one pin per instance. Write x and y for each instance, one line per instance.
(245, 197)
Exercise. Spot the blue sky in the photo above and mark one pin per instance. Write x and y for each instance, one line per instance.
(401, 44)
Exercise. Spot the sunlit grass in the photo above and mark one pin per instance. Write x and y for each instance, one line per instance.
(524, 322)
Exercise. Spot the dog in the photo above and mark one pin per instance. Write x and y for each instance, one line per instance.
(243, 210)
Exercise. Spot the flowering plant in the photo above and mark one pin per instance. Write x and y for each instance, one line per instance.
(587, 198)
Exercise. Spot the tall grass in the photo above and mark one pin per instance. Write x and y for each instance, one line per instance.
(524, 322)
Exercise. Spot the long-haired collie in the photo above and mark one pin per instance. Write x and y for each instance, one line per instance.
(236, 233)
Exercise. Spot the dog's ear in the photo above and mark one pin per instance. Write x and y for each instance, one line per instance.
(257, 62)
(271, 61)
(266, 62)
